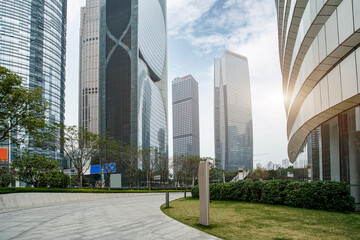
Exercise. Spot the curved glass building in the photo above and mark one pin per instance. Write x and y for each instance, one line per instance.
(32, 45)
(320, 63)
(133, 72)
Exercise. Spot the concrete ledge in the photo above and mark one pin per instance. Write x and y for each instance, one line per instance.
(27, 200)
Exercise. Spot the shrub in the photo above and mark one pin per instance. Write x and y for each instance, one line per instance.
(273, 191)
(321, 195)
(253, 191)
(195, 191)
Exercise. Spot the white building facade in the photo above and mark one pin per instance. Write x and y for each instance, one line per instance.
(320, 63)
(89, 66)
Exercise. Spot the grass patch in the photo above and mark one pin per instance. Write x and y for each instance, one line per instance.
(242, 220)
(76, 190)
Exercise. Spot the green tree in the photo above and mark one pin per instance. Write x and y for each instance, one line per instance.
(21, 109)
(7, 174)
(58, 179)
(109, 154)
(129, 158)
(186, 167)
(150, 157)
(79, 146)
(36, 170)
(163, 168)
(259, 174)
(215, 175)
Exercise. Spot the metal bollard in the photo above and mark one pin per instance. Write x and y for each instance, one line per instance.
(167, 199)
(185, 193)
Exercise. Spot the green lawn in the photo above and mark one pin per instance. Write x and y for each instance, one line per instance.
(242, 220)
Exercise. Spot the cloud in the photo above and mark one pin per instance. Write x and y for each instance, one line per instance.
(185, 12)
(248, 27)
(228, 23)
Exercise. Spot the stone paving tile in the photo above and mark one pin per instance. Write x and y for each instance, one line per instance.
(8, 235)
(120, 218)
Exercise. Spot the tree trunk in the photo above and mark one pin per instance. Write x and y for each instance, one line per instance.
(131, 180)
(150, 178)
(109, 182)
(80, 180)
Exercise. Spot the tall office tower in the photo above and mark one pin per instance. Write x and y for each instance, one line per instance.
(233, 115)
(89, 66)
(133, 72)
(320, 63)
(185, 102)
(32, 45)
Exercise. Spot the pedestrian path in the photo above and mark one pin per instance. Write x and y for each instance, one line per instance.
(118, 218)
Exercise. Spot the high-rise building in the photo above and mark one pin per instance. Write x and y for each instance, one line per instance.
(320, 63)
(89, 66)
(185, 103)
(233, 115)
(285, 163)
(32, 45)
(258, 165)
(123, 71)
(133, 73)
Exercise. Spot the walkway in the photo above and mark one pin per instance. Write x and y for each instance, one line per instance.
(119, 218)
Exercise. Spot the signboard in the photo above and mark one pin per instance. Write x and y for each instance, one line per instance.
(110, 168)
(95, 169)
(3, 154)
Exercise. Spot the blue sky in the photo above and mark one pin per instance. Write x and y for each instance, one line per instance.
(198, 32)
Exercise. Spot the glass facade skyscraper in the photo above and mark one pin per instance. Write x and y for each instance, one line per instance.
(320, 63)
(185, 103)
(133, 72)
(233, 114)
(32, 45)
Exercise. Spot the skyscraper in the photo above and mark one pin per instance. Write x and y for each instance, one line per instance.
(32, 45)
(185, 102)
(123, 71)
(89, 66)
(133, 72)
(320, 63)
(233, 115)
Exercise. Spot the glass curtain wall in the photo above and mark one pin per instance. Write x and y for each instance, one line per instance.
(332, 152)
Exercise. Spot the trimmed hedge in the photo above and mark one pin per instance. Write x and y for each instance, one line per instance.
(321, 195)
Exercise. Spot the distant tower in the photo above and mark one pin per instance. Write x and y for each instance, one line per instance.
(185, 102)
(89, 66)
(233, 114)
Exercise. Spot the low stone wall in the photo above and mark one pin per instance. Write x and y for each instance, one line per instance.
(27, 200)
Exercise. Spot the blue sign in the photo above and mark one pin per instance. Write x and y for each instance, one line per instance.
(109, 168)
(94, 169)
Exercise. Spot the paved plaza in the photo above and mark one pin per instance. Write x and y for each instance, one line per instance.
(137, 217)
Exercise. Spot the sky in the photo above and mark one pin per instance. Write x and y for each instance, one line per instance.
(198, 32)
